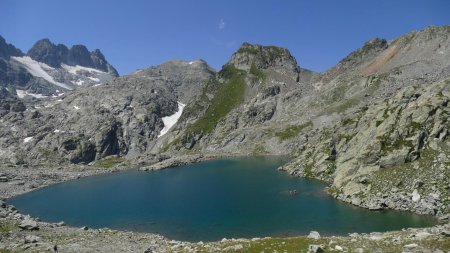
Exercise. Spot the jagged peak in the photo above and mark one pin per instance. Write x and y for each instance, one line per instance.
(47, 52)
(370, 48)
(263, 57)
(7, 50)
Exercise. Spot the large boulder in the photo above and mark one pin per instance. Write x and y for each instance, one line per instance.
(28, 224)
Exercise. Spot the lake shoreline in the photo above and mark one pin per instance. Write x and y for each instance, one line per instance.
(23, 179)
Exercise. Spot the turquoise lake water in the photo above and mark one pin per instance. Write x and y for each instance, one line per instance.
(242, 197)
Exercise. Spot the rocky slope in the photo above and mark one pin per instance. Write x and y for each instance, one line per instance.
(51, 70)
(371, 126)
(382, 111)
(122, 117)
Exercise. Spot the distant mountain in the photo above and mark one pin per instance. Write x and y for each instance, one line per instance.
(50, 70)
(54, 55)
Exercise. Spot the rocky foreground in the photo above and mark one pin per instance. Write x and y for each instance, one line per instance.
(21, 233)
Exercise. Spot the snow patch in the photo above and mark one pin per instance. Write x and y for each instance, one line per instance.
(94, 79)
(57, 95)
(23, 93)
(76, 107)
(75, 69)
(57, 131)
(79, 82)
(28, 139)
(171, 120)
(37, 69)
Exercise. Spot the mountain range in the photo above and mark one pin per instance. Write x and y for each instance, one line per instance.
(375, 127)
(50, 70)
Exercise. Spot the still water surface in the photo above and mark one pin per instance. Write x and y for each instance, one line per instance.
(242, 197)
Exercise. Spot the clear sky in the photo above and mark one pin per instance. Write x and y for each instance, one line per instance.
(137, 34)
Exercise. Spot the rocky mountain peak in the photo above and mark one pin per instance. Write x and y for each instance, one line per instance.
(185, 79)
(47, 52)
(53, 55)
(368, 50)
(80, 55)
(263, 57)
(7, 50)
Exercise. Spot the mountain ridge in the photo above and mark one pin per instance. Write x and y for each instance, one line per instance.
(53, 55)
(382, 109)
(50, 70)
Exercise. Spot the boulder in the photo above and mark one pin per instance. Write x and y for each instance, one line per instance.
(32, 239)
(415, 196)
(29, 225)
(410, 246)
(314, 235)
(395, 158)
(338, 248)
(60, 224)
(316, 248)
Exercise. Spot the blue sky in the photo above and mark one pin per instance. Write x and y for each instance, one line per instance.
(137, 34)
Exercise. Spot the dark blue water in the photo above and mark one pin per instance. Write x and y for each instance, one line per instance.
(244, 197)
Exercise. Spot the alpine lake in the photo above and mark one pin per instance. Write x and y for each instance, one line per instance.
(226, 198)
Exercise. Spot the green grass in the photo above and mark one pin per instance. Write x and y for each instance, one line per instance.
(291, 131)
(257, 73)
(416, 126)
(109, 162)
(333, 190)
(228, 96)
(308, 170)
(4, 229)
(347, 121)
(282, 245)
(387, 146)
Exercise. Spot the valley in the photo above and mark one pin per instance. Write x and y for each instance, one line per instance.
(374, 128)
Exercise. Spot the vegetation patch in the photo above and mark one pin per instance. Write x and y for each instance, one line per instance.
(228, 96)
(4, 229)
(387, 146)
(292, 131)
(109, 162)
(49, 155)
(257, 73)
(282, 245)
